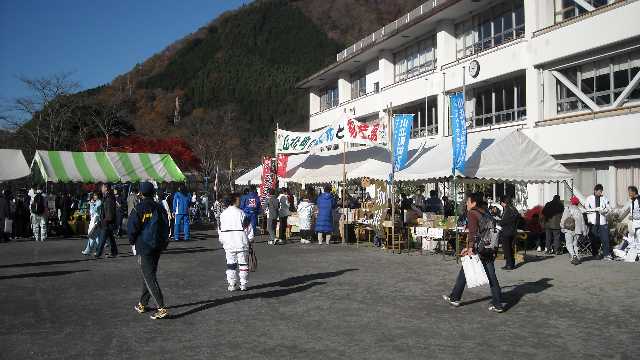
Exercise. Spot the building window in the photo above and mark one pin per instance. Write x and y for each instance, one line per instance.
(329, 98)
(602, 81)
(499, 103)
(495, 27)
(568, 9)
(415, 59)
(358, 86)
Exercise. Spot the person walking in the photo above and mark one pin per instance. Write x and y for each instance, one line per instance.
(181, 201)
(148, 230)
(476, 209)
(283, 215)
(5, 216)
(509, 228)
(573, 226)
(250, 204)
(108, 222)
(93, 233)
(552, 213)
(235, 241)
(597, 207)
(39, 213)
(305, 214)
(324, 222)
(272, 216)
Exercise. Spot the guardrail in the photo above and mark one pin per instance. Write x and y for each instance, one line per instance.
(424, 10)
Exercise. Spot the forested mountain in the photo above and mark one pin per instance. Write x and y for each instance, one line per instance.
(231, 80)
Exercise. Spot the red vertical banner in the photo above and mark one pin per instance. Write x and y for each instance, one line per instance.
(282, 164)
(268, 178)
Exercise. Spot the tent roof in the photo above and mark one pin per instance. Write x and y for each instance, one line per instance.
(13, 165)
(255, 175)
(507, 155)
(93, 167)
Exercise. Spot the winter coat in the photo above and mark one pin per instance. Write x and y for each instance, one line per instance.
(576, 213)
(552, 213)
(250, 204)
(509, 221)
(326, 203)
(603, 209)
(272, 207)
(4, 208)
(232, 233)
(283, 208)
(109, 210)
(141, 235)
(181, 203)
(305, 214)
(95, 213)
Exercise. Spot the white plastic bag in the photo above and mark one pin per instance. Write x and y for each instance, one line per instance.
(8, 225)
(474, 271)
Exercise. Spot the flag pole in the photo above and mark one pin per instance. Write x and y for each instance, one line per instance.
(344, 192)
(392, 185)
(464, 103)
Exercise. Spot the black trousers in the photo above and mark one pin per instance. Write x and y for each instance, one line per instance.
(494, 285)
(107, 234)
(150, 287)
(283, 228)
(507, 248)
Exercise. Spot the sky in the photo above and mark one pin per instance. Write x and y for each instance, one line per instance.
(95, 40)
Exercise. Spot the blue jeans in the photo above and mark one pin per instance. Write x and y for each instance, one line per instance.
(489, 268)
(92, 243)
(602, 232)
(254, 222)
(182, 221)
(106, 233)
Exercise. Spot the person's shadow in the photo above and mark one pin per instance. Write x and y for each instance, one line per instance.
(288, 286)
(512, 297)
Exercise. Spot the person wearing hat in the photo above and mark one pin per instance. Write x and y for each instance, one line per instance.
(148, 229)
(573, 226)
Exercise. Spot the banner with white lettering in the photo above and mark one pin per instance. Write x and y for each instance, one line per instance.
(459, 132)
(402, 125)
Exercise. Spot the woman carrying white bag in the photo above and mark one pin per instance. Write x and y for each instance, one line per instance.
(93, 233)
(478, 269)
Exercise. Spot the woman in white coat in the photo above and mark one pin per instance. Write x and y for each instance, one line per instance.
(95, 214)
(305, 217)
(235, 235)
(573, 226)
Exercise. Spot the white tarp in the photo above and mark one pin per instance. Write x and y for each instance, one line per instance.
(506, 155)
(254, 176)
(13, 165)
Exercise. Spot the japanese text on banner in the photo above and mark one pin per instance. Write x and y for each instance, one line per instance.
(402, 126)
(268, 179)
(459, 132)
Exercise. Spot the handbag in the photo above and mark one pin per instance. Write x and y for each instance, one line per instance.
(8, 225)
(474, 271)
(253, 259)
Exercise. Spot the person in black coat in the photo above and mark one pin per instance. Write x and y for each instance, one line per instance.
(509, 225)
(5, 213)
(108, 222)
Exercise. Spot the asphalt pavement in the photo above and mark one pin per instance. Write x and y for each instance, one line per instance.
(309, 302)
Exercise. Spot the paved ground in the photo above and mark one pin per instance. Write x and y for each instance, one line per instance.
(309, 302)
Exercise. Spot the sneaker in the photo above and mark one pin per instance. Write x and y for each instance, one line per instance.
(608, 258)
(85, 253)
(243, 287)
(497, 309)
(232, 288)
(270, 242)
(539, 249)
(453, 303)
(139, 308)
(160, 314)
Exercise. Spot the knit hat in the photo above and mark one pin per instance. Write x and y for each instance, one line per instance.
(147, 189)
(575, 200)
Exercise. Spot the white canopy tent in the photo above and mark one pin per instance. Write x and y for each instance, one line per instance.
(254, 176)
(506, 156)
(13, 165)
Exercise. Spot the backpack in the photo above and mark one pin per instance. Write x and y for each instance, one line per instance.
(37, 205)
(569, 223)
(487, 236)
(154, 234)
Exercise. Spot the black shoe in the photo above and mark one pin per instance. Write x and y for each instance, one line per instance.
(498, 309)
(454, 303)
(507, 268)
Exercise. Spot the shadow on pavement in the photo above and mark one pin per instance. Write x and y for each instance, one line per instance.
(207, 304)
(298, 280)
(45, 263)
(512, 297)
(188, 250)
(534, 259)
(41, 274)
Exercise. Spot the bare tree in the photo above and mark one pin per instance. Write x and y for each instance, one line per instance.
(45, 114)
(109, 114)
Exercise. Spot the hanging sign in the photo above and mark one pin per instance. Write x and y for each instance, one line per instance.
(459, 132)
(268, 179)
(283, 160)
(402, 125)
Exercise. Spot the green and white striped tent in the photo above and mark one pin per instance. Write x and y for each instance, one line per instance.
(94, 167)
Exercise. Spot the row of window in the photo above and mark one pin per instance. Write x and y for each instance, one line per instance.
(498, 103)
(603, 81)
(567, 9)
(329, 98)
(415, 59)
(499, 25)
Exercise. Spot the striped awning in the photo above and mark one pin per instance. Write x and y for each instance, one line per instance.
(94, 167)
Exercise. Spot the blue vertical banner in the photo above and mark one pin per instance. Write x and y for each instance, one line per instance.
(402, 125)
(459, 132)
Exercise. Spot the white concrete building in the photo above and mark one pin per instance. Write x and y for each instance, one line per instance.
(566, 71)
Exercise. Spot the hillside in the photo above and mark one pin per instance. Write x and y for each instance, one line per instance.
(235, 77)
